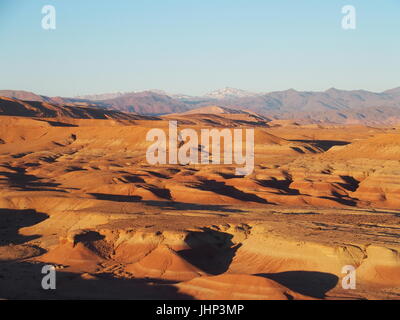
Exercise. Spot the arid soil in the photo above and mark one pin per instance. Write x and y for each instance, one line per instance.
(79, 194)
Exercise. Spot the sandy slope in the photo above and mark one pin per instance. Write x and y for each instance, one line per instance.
(79, 193)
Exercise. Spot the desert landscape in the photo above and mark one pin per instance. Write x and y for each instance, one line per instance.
(77, 193)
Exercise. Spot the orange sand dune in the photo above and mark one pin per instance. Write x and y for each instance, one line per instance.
(237, 287)
(164, 263)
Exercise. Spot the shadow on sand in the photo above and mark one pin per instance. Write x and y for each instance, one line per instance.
(166, 205)
(12, 220)
(210, 250)
(310, 283)
(22, 280)
(324, 144)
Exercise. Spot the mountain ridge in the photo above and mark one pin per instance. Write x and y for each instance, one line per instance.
(332, 105)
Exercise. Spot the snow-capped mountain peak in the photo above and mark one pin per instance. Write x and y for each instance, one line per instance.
(228, 93)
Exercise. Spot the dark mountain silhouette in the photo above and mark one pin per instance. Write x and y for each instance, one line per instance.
(15, 107)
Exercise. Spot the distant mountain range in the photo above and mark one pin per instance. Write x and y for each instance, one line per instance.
(333, 105)
(217, 94)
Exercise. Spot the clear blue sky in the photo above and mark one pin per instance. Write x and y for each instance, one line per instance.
(187, 46)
